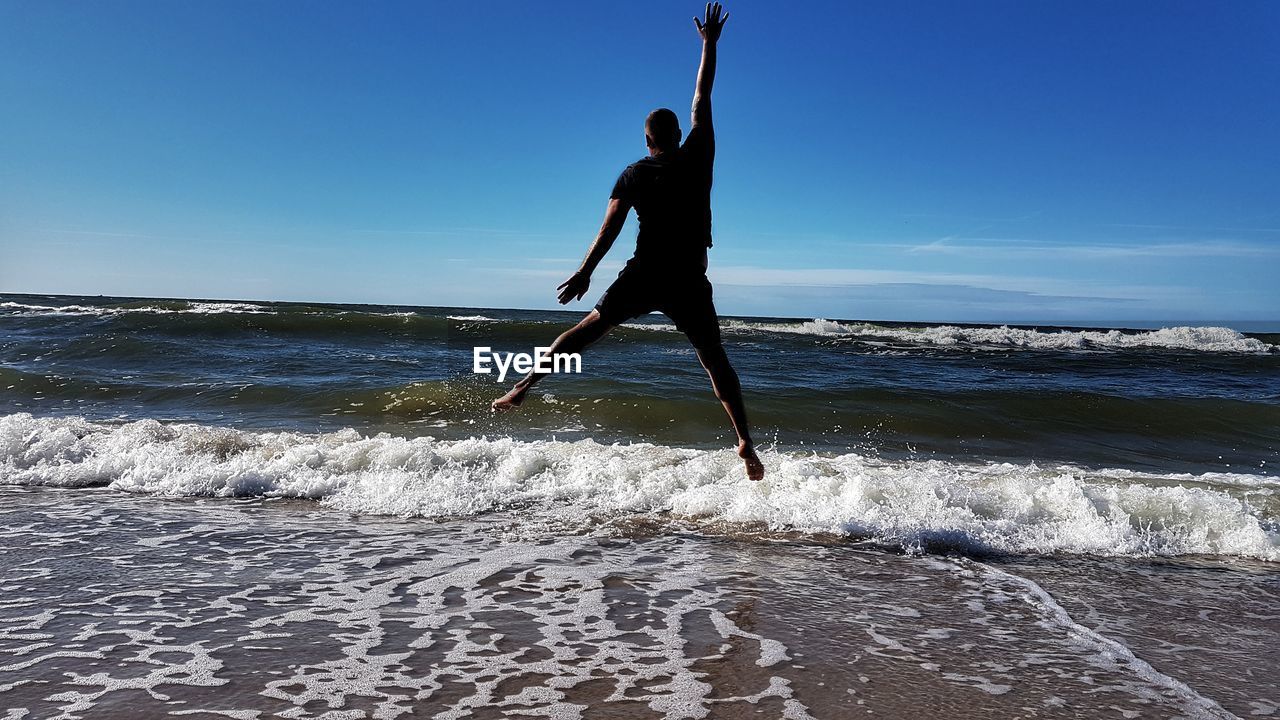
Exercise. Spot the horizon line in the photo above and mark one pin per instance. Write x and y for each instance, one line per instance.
(1079, 324)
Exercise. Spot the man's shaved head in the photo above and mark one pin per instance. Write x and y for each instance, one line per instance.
(662, 130)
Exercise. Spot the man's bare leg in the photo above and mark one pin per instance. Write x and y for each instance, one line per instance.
(574, 340)
(729, 391)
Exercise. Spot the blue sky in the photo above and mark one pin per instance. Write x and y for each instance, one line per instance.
(939, 161)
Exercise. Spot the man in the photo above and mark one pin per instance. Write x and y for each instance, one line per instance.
(671, 193)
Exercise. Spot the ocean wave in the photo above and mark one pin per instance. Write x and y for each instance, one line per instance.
(913, 504)
(157, 308)
(1203, 339)
(289, 317)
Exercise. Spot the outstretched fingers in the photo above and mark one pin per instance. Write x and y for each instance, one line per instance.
(712, 21)
(573, 288)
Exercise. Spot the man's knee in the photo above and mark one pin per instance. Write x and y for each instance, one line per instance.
(593, 327)
(712, 355)
(716, 361)
(705, 338)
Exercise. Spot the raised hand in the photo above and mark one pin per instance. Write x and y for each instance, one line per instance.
(712, 23)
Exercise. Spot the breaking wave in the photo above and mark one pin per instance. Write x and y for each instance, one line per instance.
(158, 307)
(1186, 338)
(919, 505)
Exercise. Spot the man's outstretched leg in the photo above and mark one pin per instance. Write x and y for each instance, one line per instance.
(729, 391)
(574, 340)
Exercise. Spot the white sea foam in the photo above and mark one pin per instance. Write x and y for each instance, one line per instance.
(380, 621)
(472, 318)
(1111, 654)
(817, 326)
(194, 308)
(1203, 339)
(1001, 507)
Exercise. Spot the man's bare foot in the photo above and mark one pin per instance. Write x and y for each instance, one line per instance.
(755, 468)
(511, 400)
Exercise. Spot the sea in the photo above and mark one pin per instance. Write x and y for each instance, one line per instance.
(216, 509)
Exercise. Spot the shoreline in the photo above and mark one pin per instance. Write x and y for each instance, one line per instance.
(243, 609)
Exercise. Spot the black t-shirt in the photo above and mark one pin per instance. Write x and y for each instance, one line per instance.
(672, 197)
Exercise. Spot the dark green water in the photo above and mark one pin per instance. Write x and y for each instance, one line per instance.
(1170, 400)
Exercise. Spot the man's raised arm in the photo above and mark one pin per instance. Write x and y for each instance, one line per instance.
(709, 28)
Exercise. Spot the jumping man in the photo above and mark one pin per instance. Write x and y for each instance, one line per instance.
(671, 193)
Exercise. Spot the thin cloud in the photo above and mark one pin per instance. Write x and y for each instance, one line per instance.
(459, 232)
(843, 279)
(972, 218)
(767, 277)
(100, 233)
(604, 271)
(950, 293)
(1191, 228)
(1004, 247)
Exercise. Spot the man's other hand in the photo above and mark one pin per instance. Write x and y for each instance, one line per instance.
(575, 287)
(712, 23)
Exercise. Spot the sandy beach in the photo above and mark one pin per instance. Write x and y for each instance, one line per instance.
(119, 605)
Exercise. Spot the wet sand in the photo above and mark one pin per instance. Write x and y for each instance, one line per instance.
(117, 605)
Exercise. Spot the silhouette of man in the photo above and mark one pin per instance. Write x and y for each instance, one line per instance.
(671, 193)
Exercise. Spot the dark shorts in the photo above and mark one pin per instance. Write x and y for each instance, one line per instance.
(684, 299)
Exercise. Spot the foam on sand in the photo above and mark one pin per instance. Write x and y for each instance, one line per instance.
(350, 622)
(916, 504)
(1110, 653)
